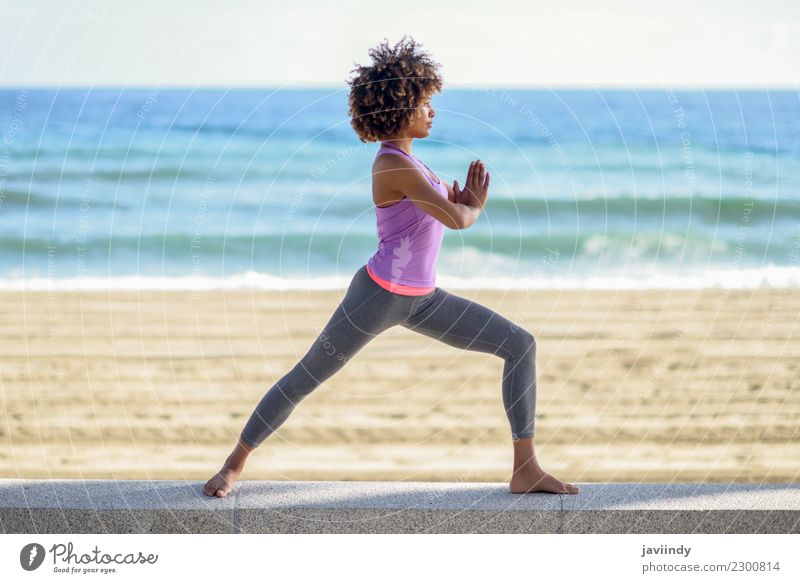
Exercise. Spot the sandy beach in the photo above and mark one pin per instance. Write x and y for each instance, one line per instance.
(640, 386)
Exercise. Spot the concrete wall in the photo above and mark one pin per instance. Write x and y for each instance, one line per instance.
(91, 506)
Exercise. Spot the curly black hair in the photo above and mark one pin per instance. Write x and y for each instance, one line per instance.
(384, 96)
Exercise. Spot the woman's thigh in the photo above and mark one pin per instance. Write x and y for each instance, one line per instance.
(466, 324)
(365, 311)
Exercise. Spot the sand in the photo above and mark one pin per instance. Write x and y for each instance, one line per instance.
(639, 386)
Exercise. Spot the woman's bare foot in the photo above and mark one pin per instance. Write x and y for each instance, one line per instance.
(535, 479)
(528, 476)
(222, 482)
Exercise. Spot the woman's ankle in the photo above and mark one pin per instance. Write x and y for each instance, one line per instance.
(526, 461)
(238, 457)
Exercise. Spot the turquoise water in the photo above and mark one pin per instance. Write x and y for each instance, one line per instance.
(271, 188)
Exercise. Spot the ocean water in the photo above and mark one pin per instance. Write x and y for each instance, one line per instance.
(270, 188)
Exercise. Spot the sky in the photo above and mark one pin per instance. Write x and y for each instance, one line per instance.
(500, 43)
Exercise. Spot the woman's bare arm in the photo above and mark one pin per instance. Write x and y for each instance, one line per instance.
(400, 174)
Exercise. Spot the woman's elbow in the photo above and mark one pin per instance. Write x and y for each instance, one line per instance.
(462, 219)
(455, 216)
(456, 224)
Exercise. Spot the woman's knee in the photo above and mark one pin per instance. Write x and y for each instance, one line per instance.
(522, 342)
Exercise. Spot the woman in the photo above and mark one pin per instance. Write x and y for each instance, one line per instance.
(390, 102)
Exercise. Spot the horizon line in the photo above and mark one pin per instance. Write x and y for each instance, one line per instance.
(455, 86)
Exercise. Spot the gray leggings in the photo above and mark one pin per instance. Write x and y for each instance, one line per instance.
(367, 310)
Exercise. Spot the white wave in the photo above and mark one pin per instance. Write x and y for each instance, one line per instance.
(768, 277)
(246, 280)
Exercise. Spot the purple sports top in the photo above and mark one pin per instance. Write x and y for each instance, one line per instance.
(409, 240)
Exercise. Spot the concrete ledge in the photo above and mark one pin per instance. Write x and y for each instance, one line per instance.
(113, 506)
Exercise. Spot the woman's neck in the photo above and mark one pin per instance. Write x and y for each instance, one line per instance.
(400, 143)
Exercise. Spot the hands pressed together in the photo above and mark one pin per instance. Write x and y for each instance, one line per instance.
(476, 187)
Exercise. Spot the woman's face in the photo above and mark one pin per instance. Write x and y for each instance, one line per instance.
(423, 120)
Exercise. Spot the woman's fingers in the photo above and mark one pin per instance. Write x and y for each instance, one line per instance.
(477, 177)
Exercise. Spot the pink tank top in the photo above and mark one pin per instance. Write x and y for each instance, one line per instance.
(409, 240)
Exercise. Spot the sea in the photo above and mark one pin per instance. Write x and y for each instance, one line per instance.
(269, 188)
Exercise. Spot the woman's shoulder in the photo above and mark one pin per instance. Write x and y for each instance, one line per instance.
(382, 166)
(385, 190)
(389, 156)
